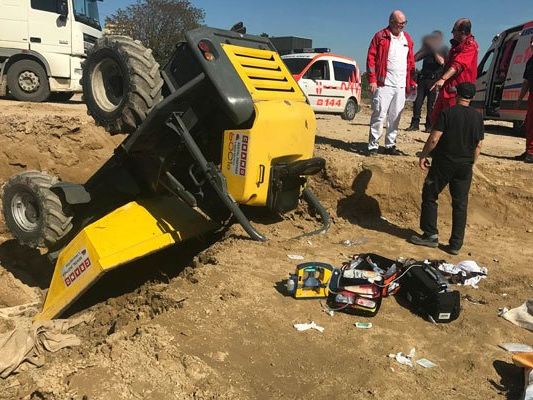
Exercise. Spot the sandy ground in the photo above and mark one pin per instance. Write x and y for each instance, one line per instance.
(209, 319)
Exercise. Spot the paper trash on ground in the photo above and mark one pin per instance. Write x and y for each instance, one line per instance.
(295, 256)
(521, 316)
(405, 359)
(516, 347)
(424, 362)
(309, 325)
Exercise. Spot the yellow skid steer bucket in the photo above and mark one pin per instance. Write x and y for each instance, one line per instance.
(124, 235)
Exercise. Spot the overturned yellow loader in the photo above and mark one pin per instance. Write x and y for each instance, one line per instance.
(223, 124)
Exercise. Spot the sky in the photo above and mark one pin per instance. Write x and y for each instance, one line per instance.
(346, 26)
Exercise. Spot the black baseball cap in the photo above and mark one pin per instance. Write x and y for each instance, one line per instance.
(467, 90)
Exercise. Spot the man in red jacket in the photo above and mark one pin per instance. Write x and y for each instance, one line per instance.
(390, 66)
(460, 67)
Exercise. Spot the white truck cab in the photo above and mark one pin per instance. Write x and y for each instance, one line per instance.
(500, 75)
(42, 45)
(331, 83)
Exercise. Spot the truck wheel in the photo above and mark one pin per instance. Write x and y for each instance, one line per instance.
(32, 212)
(61, 97)
(349, 110)
(121, 83)
(27, 81)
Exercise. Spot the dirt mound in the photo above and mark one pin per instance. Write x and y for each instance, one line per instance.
(374, 189)
(63, 145)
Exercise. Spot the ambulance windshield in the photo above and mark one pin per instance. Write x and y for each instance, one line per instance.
(296, 65)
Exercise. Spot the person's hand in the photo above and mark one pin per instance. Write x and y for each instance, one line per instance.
(373, 87)
(438, 85)
(424, 163)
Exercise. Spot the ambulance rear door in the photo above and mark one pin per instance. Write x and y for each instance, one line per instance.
(515, 77)
(484, 78)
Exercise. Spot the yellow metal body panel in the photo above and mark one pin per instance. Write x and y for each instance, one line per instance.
(283, 131)
(264, 74)
(124, 235)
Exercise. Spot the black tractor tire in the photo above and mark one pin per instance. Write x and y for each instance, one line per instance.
(33, 213)
(27, 81)
(61, 97)
(350, 110)
(121, 83)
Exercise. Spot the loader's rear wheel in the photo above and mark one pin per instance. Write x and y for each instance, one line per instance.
(32, 212)
(121, 83)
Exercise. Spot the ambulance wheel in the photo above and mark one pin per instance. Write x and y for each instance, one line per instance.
(121, 83)
(349, 110)
(27, 81)
(33, 212)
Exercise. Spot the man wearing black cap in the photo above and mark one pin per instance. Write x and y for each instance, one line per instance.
(454, 144)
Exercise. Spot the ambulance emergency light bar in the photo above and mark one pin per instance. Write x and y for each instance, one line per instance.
(312, 50)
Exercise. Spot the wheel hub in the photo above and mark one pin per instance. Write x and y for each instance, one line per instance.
(107, 85)
(25, 211)
(29, 81)
(350, 109)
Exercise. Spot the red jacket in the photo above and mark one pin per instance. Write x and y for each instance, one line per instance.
(463, 58)
(376, 60)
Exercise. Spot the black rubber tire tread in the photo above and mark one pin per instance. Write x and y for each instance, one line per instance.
(13, 73)
(60, 97)
(142, 83)
(54, 224)
(345, 115)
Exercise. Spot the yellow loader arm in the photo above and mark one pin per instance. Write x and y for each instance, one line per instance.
(122, 236)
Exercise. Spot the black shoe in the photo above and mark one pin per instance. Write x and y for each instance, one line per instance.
(425, 240)
(452, 250)
(521, 157)
(528, 159)
(413, 128)
(393, 151)
(372, 153)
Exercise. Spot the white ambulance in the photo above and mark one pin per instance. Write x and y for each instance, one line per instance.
(500, 75)
(332, 83)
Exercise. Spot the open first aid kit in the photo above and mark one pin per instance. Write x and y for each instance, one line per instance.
(359, 286)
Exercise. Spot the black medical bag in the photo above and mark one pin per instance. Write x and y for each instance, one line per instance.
(428, 294)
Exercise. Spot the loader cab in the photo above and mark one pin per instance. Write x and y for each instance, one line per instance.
(500, 75)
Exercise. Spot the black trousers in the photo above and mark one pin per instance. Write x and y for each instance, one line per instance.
(459, 178)
(423, 91)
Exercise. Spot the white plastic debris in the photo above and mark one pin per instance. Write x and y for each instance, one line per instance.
(521, 316)
(516, 347)
(295, 256)
(424, 362)
(307, 326)
(356, 242)
(463, 268)
(404, 359)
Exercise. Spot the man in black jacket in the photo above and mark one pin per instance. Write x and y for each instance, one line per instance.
(454, 144)
(434, 54)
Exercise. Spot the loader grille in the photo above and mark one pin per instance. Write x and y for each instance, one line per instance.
(263, 73)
